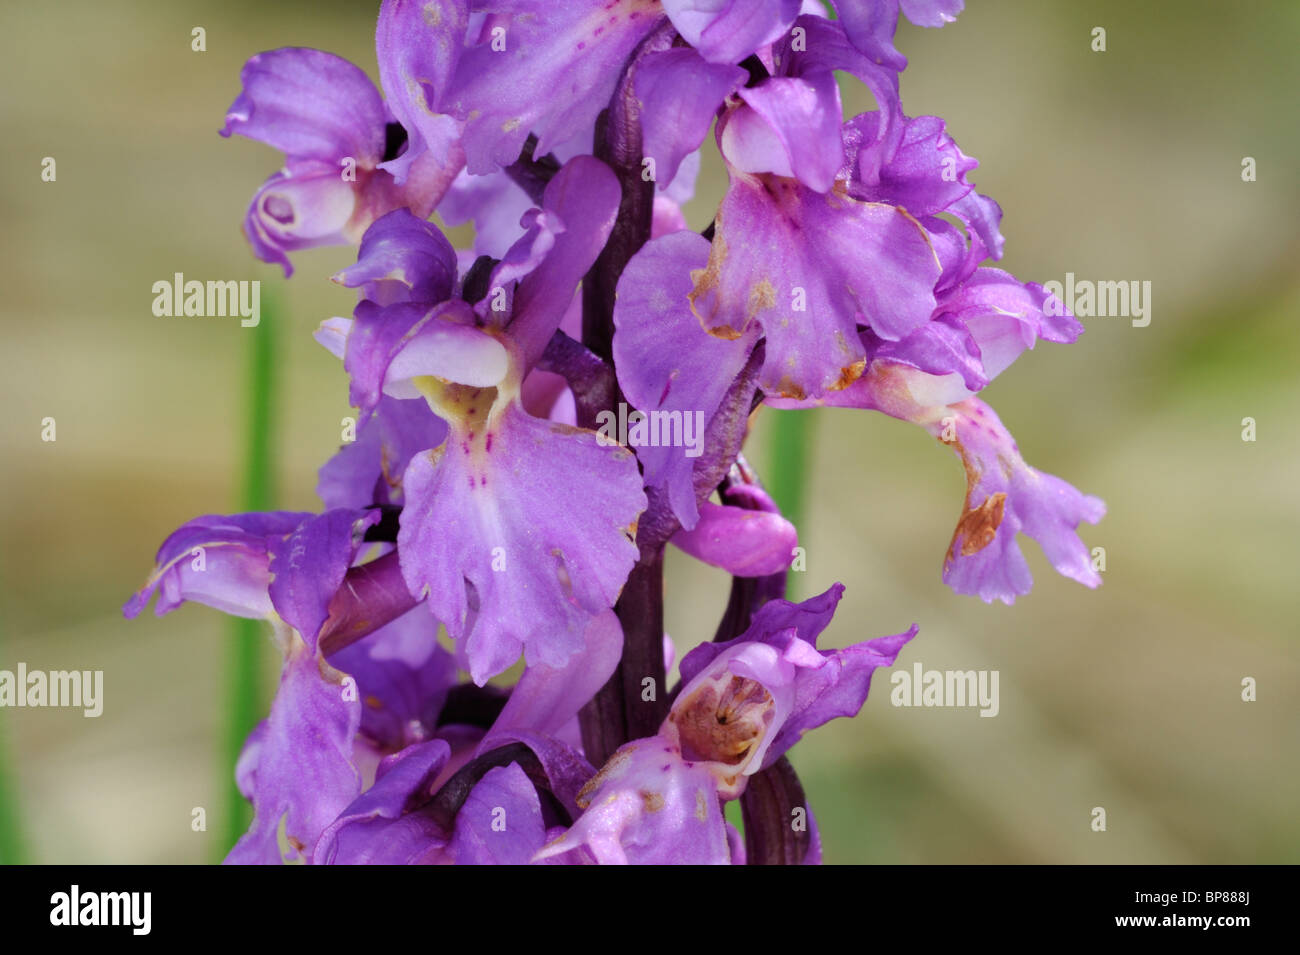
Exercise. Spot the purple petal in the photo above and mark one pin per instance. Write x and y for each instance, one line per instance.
(726, 716)
(647, 806)
(310, 105)
(667, 218)
(742, 542)
(217, 560)
(535, 518)
(308, 566)
(1005, 316)
(389, 347)
(544, 394)
(494, 203)
(1005, 496)
(807, 687)
(500, 822)
(809, 618)
(402, 259)
(574, 51)
(727, 31)
(378, 828)
(826, 47)
(679, 94)
(940, 347)
(681, 188)
(925, 174)
(418, 44)
(584, 197)
(402, 676)
(369, 470)
(791, 129)
(808, 268)
(982, 216)
(932, 13)
(665, 361)
(837, 689)
(246, 764)
(870, 26)
(736, 845)
(304, 774)
(566, 769)
(546, 698)
(980, 327)
(310, 207)
(541, 229)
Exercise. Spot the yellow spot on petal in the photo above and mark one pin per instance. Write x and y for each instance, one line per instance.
(610, 768)
(725, 332)
(786, 388)
(762, 296)
(849, 374)
(707, 280)
(978, 526)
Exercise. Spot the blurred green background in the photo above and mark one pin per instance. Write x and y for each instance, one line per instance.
(1117, 165)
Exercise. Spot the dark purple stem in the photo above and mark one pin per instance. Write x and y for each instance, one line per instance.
(530, 174)
(775, 834)
(470, 705)
(634, 702)
(618, 145)
(446, 803)
(626, 707)
(592, 381)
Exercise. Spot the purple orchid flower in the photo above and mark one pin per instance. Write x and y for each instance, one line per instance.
(542, 414)
(338, 139)
(503, 818)
(742, 705)
(580, 50)
(297, 765)
(492, 512)
(870, 24)
(1004, 495)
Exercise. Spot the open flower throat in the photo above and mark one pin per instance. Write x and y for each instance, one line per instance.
(724, 720)
(464, 406)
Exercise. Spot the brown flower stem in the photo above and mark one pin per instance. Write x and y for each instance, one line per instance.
(777, 826)
(627, 707)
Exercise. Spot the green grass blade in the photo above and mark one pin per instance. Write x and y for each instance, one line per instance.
(243, 684)
(789, 459)
(12, 848)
